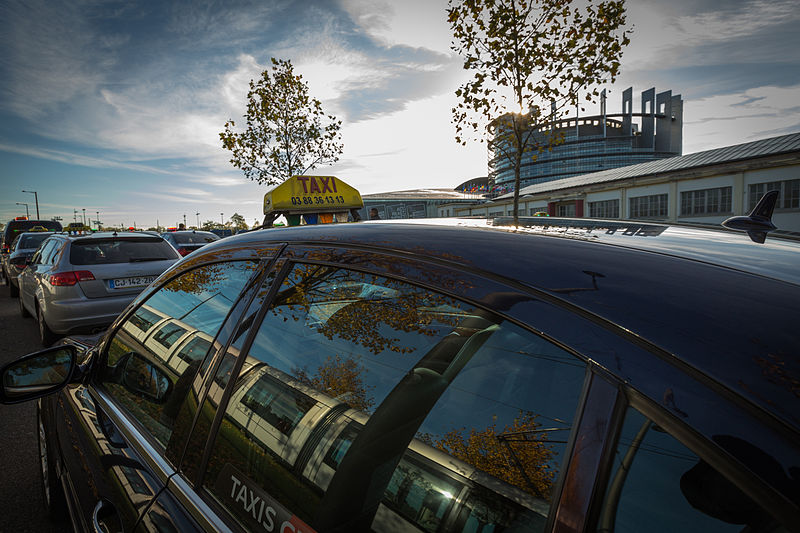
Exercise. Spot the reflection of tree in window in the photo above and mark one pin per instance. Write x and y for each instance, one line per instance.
(518, 454)
(281, 406)
(341, 379)
(324, 298)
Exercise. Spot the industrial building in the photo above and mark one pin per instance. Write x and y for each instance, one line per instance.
(701, 188)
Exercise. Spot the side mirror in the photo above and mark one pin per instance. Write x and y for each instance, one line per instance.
(142, 377)
(37, 374)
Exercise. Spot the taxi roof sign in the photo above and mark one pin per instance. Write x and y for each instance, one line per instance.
(312, 194)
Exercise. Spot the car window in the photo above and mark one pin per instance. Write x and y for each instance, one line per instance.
(32, 241)
(657, 481)
(367, 402)
(44, 254)
(154, 354)
(129, 250)
(195, 238)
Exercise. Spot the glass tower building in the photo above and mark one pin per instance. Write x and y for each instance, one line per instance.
(599, 142)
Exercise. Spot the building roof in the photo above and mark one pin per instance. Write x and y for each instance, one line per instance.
(419, 194)
(740, 152)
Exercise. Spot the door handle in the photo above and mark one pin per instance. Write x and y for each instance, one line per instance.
(105, 518)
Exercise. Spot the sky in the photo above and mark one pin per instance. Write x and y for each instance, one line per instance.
(113, 108)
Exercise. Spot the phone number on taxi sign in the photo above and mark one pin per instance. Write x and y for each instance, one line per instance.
(317, 200)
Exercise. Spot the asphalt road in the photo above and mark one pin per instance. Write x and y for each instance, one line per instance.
(21, 507)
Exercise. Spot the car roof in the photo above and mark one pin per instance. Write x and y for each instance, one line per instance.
(713, 302)
(113, 235)
(185, 231)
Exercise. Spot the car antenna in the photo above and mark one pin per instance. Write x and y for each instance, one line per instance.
(759, 222)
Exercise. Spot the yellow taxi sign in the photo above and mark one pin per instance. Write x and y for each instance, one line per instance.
(312, 194)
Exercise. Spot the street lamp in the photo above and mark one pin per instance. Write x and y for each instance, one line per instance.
(221, 220)
(27, 214)
(35, 197)
(198, 219)
(97, 220)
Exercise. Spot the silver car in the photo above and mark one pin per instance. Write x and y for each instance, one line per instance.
(81, 283)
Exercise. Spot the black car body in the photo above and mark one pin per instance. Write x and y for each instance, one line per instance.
(187, 241)
(438, 376)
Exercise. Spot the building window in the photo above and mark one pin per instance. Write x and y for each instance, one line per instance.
(788, 193)
(566, 210)
(706, 201)
(604, 209)
(648, 206)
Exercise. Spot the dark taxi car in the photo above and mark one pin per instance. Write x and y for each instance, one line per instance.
(187, 241)
(433, 376)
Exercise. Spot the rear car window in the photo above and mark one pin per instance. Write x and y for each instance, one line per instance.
(194, 238)
(31, 241)
(108, 251)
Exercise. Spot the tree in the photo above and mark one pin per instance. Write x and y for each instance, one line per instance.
(287, 132)
(528, 56)
(340, 378)
(518, 454)
(238, 222)
(208, 225)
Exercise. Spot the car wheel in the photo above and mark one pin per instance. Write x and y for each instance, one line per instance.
(46, 335)
(22, 311)
(52, 493)
(13, 290)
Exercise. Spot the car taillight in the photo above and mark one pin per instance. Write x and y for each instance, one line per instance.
(184, 251)
(70, 278)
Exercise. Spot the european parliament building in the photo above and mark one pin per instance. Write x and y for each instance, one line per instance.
(600, 142)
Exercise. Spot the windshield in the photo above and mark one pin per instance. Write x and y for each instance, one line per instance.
(106, 251)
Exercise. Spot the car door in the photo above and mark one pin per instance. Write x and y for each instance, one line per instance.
(29, 278)
(118, 433)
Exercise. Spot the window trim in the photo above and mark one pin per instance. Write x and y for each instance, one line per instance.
(589, 453)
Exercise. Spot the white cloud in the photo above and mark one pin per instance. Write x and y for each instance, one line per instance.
(416, 23)
(757, 113)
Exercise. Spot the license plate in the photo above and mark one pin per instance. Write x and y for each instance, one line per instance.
(138, 281)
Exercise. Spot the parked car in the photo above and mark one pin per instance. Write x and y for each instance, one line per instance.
(22, 224)
(452, 375)
(19, 255)
(81, 283)
(186, 242)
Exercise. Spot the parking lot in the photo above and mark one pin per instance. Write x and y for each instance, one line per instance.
(20, 484)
